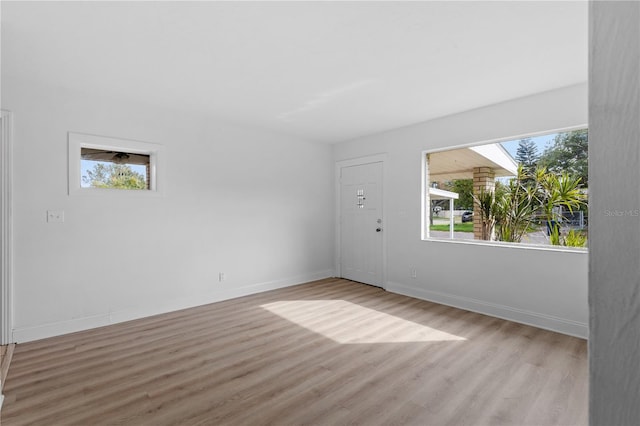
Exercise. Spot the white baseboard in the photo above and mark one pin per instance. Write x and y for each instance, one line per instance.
(27, 334)
(547, 322)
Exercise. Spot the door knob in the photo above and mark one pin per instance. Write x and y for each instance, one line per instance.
(378, 229)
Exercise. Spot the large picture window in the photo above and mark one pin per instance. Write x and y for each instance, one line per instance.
(529, 191)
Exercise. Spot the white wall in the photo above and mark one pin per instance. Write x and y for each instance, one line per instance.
(540, 287)
(254, 205)
(614, 276)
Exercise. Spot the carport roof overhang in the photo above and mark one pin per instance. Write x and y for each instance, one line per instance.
(459, 163)
(441, 194)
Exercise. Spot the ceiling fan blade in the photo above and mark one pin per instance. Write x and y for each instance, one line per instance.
(142, 159)
(114, 156)
(98, 156)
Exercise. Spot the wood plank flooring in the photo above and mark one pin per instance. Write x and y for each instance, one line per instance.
(329, 352)
(6, 354)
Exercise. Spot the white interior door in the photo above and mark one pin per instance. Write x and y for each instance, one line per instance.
(361, 242)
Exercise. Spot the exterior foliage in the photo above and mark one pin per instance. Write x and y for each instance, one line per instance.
(569, 154)
(116, 176)
(575, 239)
(464, 188)
(556, 191)
(527, 154)
(515, 208)
(512, 209)
(486, 201)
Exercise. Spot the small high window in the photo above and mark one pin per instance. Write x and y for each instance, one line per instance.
(102, 165)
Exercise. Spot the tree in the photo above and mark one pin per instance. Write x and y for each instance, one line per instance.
(569, 153)
(464, 188)
(527, 155)
(117, 176)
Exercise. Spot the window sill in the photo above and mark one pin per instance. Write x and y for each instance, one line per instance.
(518, 246)
(115, 193)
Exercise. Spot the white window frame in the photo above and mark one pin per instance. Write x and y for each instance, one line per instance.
(77, 141)
(424, 177)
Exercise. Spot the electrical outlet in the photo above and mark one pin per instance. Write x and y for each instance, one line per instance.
(55, 216)
(221, 276)
(414, 273)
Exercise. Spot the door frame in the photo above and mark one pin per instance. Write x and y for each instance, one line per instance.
(360, 161)
(6, 225)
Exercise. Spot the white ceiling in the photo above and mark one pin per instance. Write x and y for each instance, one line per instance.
(326, 71)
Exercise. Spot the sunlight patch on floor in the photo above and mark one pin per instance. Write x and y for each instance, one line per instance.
(346, 322)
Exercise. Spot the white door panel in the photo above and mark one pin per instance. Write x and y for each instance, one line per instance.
(361, 223)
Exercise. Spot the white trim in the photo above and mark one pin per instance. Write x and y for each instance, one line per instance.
(27, 334)
(6, 223)
(375, 158)
(425, 197)
(77, 141)
(535, 319)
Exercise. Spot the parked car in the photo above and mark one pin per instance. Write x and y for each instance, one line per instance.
(467, 217)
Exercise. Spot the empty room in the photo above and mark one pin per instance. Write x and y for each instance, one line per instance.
(283, 213)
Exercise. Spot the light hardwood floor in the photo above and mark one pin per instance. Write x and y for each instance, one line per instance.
(329, 352)
(6, 354)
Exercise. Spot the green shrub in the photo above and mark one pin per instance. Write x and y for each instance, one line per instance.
(575, 239)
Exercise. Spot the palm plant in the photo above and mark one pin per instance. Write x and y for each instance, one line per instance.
(516, 207)
(556, 191)
(510, 209)
(486, 202)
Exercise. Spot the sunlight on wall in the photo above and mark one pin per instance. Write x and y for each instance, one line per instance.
(346, 322)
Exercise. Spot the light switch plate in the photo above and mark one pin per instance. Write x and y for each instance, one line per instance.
(55, 216)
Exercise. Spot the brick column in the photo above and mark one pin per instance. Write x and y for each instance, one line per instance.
(483, 179)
